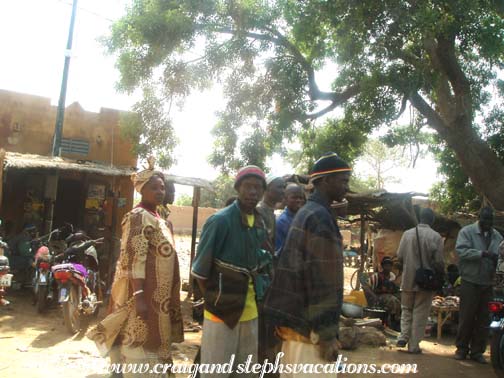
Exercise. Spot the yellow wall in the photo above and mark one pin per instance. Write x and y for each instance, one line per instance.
(27, 126)
(181, 217)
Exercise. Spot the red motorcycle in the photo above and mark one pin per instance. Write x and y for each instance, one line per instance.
(78, 281)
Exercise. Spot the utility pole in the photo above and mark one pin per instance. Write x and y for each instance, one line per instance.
(58, 130)
(51, 182)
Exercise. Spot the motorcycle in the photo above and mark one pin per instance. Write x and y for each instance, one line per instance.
(5, 276)
(79, 284)
(44, 285)
(496, 309)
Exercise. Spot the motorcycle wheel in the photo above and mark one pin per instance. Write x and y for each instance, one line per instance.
(41, 299)
(497, 350)
(71, 314)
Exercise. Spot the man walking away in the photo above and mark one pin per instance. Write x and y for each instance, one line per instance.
(477, 248)
(416, 302)
(306, 295)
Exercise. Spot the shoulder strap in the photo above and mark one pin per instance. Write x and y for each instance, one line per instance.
(419, 247)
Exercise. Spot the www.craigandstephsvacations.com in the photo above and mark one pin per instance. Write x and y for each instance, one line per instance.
(341, 365)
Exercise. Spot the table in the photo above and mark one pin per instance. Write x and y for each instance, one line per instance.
(444, 313)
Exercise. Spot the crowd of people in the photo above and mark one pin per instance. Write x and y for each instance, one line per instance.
(274, 284)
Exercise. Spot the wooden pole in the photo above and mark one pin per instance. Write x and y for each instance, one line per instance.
(113, 240)
(2, 157)
(363, 255)
(195, 203)
(60, 114)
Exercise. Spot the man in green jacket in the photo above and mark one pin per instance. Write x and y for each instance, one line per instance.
(228, 269)
(477, 249)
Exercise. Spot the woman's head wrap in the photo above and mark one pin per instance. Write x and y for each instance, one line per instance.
(141, 178)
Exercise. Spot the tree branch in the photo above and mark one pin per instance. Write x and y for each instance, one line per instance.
(338, 99)
(314, 92)
(404, 102)
(445, 98)
(430, 114)
(461, 87)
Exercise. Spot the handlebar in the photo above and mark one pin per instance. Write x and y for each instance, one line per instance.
(78, 249)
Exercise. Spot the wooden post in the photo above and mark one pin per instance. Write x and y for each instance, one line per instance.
(363, 255)
(195, 203)
(2, 157)
(113, 241)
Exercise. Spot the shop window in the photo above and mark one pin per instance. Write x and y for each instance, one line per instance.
(74, 146)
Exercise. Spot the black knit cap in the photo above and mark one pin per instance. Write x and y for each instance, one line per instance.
(329, 164)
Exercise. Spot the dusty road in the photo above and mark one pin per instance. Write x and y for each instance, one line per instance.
(33, 346)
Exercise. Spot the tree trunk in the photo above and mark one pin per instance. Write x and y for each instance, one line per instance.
(478, 160)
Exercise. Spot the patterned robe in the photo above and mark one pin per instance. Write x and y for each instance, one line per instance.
(147, 253)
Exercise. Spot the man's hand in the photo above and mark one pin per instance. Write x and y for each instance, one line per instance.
(141, 306)
(490, 255)
(329, 350)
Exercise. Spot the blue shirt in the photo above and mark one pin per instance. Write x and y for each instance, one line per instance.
(283, 224)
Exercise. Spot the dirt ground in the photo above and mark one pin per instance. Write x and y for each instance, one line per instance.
(33, 345)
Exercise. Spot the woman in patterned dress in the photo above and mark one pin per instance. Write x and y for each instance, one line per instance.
(145, 316)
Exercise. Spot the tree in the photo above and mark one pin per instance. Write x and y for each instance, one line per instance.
(224, 189)
(440, 56)
(455, 192)
(184, 200)
(150, 131)
(333, 135)
(379, 160)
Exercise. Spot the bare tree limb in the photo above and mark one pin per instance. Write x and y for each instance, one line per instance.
(433, 118)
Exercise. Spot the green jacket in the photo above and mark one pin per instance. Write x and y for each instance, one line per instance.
(470, 244)
(229, 254)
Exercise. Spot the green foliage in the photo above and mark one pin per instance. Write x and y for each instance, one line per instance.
(456, 192)
(412, 138)
(224, 189)
(266, 54)
(379, 160)
(184, 200)
(150, 131)
(359, 184)
(333, 135)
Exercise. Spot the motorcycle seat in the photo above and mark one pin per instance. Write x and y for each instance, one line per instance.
(73, 267)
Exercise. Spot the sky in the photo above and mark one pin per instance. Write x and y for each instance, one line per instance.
(33, 36)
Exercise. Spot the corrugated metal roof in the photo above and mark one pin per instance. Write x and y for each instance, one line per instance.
(190, 181)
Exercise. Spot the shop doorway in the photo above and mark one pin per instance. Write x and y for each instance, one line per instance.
(69, 203)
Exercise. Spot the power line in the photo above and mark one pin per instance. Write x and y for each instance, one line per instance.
(87, 11)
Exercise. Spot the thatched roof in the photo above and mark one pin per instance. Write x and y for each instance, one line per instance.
(15, 160)
(395, 211)
(362, 202)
